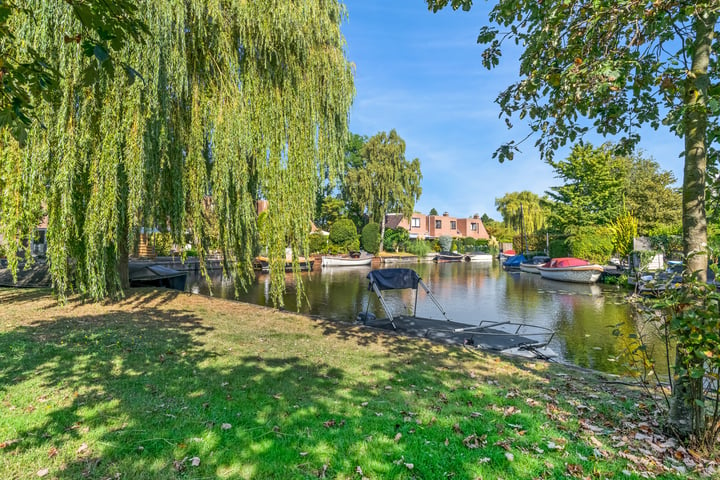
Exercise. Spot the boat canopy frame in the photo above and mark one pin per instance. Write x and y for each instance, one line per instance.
(406, 278)
(398, 279)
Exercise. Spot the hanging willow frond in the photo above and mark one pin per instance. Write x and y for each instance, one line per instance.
(240, 100)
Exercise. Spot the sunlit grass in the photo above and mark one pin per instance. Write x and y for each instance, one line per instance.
(144, 388)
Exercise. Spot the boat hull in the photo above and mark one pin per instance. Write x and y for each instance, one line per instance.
(482, 257)
(583, 274)
(346, 262)
(529, 268)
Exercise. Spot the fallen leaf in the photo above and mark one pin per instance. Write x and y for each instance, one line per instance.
(575, 470)
(52, 452)
(510, 457)
(8, 443)
(195, 462)
(179, 465)
(329, 423)
(398, 436)
(82, 448)
(226, 426)
(43, 472)
(409, 466)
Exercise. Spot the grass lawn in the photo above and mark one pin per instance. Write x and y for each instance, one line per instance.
(167, 385)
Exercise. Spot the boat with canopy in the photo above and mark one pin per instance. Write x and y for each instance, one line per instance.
(506, 337)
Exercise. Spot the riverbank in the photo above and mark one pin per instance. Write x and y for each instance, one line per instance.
(170, 385)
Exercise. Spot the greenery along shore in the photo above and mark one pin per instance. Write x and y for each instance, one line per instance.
(168, 385)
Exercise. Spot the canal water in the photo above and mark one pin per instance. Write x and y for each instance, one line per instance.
(583, 316)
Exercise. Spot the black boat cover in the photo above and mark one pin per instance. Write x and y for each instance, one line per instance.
(394, 278)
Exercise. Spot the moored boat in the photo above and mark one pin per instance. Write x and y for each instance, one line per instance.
(532, 265)
(342, 261)
(513, 263)
(502, 256)
(569, 269)
(510, 338)
(449, 257)
(479, 257)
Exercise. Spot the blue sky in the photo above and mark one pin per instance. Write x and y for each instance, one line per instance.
(421, 74)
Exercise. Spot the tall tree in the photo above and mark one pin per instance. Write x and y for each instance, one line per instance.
(592, 189)
(240, 101)
(533, 213)
(617, 65)
(650, 195)
(353, 160)
(385, 181)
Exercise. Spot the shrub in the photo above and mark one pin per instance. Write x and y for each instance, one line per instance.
(394, 238)
(370, 237)
(445, 243)
(559, 248)
(418, 247)
(318, 243)
(344, 234)
(591, 243)
(163, 244)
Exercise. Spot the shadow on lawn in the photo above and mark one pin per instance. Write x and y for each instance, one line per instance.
(141, 393)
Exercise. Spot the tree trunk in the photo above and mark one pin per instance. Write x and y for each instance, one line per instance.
(686, 415)
(382, 233)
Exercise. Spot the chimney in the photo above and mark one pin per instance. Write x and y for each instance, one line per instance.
(445, 214)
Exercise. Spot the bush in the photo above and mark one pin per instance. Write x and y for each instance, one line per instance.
(318, 243)
(344, 234)
(370, 237)
(591, 243)
(418, 247)
(559, 248)
(445, 243)
(395, 238)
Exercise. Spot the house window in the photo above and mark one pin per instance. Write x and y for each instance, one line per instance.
(438, 223)
(453, 225)
(473, 227)
(415, 223)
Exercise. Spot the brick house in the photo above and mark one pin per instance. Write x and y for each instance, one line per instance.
(433, 226)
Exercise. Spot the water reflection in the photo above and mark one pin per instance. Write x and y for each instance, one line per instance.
(582, 315)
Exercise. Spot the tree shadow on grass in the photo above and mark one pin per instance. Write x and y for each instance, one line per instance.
(140, 394)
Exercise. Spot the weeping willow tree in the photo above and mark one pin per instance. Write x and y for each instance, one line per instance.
(522, 210)
(227, 102)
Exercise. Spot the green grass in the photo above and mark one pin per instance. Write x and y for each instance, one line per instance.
(137, 389)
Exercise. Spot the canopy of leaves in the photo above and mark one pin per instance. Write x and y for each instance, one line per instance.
(591, 193)
(241, 100)
(384, 181)
(599, 185)
(26, 76)
(522, 210)
(651, 196)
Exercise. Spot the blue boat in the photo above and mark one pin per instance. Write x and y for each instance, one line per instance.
(513, 263)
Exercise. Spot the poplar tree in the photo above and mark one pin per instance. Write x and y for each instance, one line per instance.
(227, 102)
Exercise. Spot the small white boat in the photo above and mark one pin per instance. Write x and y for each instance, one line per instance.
(479, 257)
(337, 261)
(570, 269)
(533, 264)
